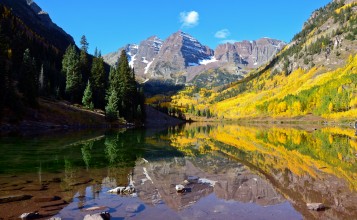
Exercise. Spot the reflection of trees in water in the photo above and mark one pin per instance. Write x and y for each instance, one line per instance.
(121, 151)
(111, 150)
(69, 175)
(86, 153)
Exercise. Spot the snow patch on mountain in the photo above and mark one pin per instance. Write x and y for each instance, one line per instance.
(148, 66)
(144, 60)
(211, 60)
(132, 59)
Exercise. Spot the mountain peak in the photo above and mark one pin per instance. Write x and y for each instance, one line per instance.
(183, 56)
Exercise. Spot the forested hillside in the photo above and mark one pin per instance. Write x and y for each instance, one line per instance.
(39, 60)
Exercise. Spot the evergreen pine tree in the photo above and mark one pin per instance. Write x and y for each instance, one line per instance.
(71, 68)
(84, 44)
(112, 76)
(83, 59)
(98, 82)
(28, 82)
(111, 110)
(96, 52)
(122, 82)
(124, 86)
(87, 99)
(3, 57)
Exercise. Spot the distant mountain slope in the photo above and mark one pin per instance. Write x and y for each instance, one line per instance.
(40, 22)
(315, 74)
(31, 52)
(249, 53)
(181, 59)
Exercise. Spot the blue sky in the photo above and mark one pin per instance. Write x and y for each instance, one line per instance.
(110, 24)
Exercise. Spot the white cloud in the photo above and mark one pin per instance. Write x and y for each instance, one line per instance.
(222, 34)
(189, 19)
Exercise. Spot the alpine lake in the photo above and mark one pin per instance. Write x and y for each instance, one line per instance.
(228, 171)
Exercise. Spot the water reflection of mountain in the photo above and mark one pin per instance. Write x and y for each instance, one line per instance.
(155, 182)
(304, 166)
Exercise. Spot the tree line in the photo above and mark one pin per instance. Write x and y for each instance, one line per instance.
(117, 92)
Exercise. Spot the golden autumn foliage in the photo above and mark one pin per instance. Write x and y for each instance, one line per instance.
(328, 94)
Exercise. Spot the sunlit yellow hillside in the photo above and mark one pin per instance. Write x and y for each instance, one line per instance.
(315, 75)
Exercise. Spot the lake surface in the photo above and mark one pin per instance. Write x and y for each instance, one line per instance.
(243, 172)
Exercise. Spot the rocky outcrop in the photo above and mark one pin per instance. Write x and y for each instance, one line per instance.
(130, 49)
(250, 54)
(146, 54)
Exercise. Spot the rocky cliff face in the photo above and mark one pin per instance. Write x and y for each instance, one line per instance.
(147, 52)
(130, 49)
(181, 58)
(140, 56)
(249, 53)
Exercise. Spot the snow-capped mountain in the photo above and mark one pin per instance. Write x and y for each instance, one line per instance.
(178, 52)
(140, 56)
(181, 57)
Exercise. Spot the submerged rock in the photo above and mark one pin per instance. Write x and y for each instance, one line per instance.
(47, 199)
(193, 179)
(134, 208)
(316, 206)
(98, 216)
(96, 208)
(14, 198)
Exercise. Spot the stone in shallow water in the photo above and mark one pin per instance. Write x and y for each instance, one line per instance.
(316, 206)
(96, 208)
(14, 198)
(98, 216)
(134, 208)
(193, 179)
(52, 204)
(81, 182)
(34, 188)
(47, 199)
(30, 215)
(179, 188)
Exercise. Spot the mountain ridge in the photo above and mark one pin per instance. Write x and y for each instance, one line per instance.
(180, 58)
(38, 20)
